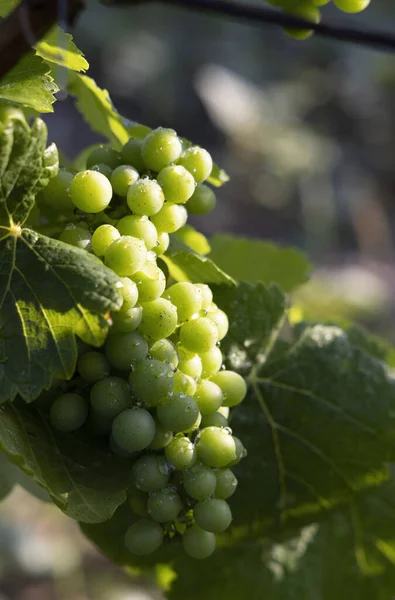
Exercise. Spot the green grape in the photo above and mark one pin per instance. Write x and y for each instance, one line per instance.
(198, 162)
(150, 281)
(241, 452)
(56, 193)
(163, 243)
(150, 473)
(105, 155)
(126, 321)
(165, 351)
(164, 505)
(180, 453)
(138, 502)
(211, 361)
(133, 429)
(179, 413)
(352, 6)
(305, 11)
(93, 366)
(208, 396)
(139, 227)
(213, 515)
(68, 412)
(126, 255)
(177, 184)
(115, 449)
(122, 178)
(90, 191)
(198, 335)
(103, 169)
(129, 293)
(226, 484)
(145, 197)
(221, 320)
(131, 154)
(189, 363)
(184, 383)
(170, 218)
(198, 543)
(186, 297)
(123, 350)
(200, 482)
(159, 319)
(232, 385)
(194, 239)
(202, 201)
(76, 236)
(160, 148)
(207, 294)
(103, 237)
(214, 419)
(224, 410)
(216, 447)
(152, 381)
(110, 396)
(195, 426)
(162, 437)
(144, 537)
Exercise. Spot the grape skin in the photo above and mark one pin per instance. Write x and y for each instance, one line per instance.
(133, 429)
(143, 537)
(198, 543)
(68, 412)
(90, 191)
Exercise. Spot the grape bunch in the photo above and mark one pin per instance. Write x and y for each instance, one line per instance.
(156, 390)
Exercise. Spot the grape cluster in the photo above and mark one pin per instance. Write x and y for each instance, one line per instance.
(157, 389)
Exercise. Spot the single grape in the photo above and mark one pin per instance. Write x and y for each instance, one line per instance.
(200, 482)
(233, 386)
(180, 453)
(352, 6)
(144, 537)
(151, 382)
(198, 543)
(76, 236)
(177, 183)
(139, 227)
(123, 350)
(162, 437)
(221, 320)
(93, 366)
(145, 197)
(129, 293)
(198, 162)
(131, 154)
(164, 505)
(198, 335)
(189, 363)
(150, 473)
(159, 319)
(126, 255)
(160, 148)
(213, 515)
(184, 383)
(226, 484)
(133, 429)
(105, 155)
(56, 193)
(126, 321)
(103, 237)
(179, 413)
(241, 452)
(122, 178)
(202, 201)
(208, 396)
(90, 191)
(211, 361)
(138, 502)
(103, 169)
(194, 239)
(165, 351)
(150, 281)
(214, 419)
(207, 294)
(186, 297)
(216, 447)
(170, 218)
(110, 396)
(68, 412)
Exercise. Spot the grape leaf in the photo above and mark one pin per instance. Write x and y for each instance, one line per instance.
(186, 265)
(255, 260)
(87, 483)
(58, 47)
(29, 83)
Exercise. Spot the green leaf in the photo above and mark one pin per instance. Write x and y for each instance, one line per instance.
(7, 6)
(57, 47)
(87, 483)
(186, 265)
(97, 109)
(30, 84)
(255, 260)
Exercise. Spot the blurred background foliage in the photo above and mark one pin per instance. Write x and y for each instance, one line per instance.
(306, 131)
